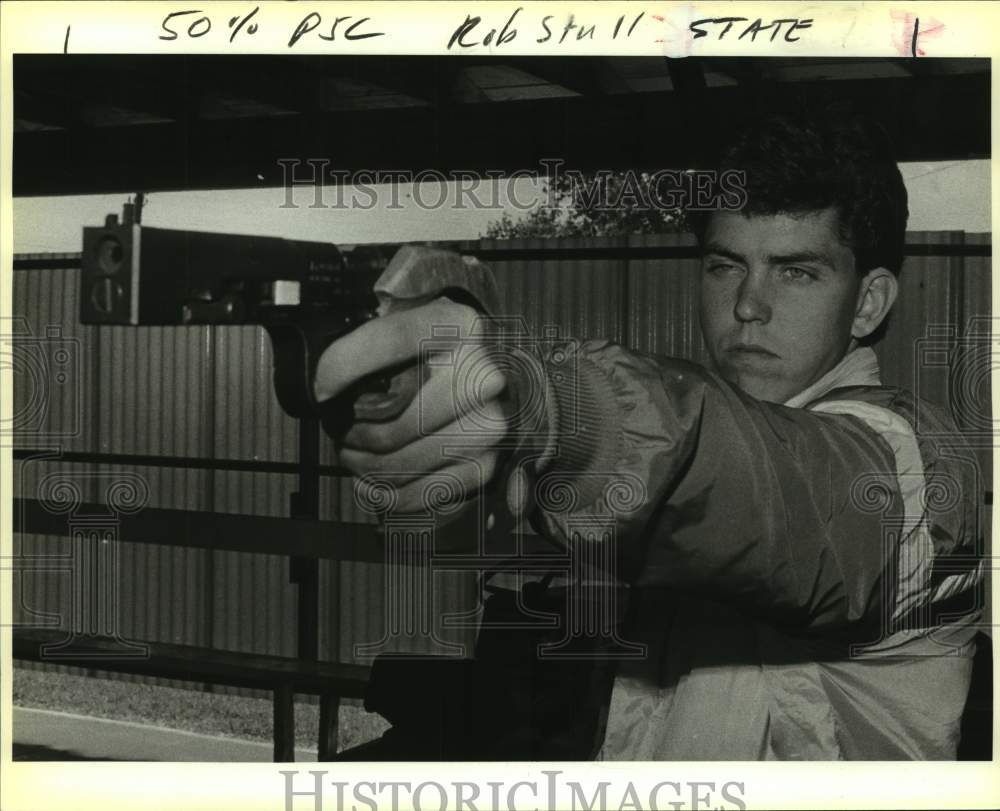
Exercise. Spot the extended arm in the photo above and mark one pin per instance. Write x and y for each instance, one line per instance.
(809, 517)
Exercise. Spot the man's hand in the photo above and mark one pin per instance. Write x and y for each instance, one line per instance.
(447, 436)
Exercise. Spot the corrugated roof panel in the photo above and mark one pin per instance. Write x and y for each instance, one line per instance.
(220, 107)
(504, 83)
(342, 94)
(109, 115)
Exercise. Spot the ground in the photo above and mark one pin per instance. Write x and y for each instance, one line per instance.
(191, 710)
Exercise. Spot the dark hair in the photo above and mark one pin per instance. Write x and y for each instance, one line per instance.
(797, 165)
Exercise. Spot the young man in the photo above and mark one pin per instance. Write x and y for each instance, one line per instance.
(786, 564)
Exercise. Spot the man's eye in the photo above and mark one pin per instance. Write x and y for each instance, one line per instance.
(722, 268)
(796, 273)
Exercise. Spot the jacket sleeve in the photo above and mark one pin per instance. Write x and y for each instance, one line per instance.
(797, 515)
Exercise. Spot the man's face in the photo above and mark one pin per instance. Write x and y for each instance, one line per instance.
(778, 299)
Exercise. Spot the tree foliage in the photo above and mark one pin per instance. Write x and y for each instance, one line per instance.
(591, 204)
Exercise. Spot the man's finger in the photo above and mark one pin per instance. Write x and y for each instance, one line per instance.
(426, 454)
(385, 342)
(435, 406)
(433, 493)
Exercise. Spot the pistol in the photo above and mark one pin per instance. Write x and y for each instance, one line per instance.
(304, 294)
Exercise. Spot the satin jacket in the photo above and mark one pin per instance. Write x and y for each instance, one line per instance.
(805, 578)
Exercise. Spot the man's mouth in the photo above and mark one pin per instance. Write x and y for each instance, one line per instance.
(750, 350)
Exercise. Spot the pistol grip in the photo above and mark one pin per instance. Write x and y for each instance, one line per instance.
(378, 397)
(417, 275)
(414, 276)
(379, 406)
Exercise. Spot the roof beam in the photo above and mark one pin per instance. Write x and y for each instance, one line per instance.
(940, 117)
(577, 76)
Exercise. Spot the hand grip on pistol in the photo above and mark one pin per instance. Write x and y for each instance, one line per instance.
(379, 406)
(416, 275)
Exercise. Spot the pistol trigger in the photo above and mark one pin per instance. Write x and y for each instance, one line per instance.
(386, 396)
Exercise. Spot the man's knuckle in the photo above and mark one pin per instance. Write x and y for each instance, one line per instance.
(348, 459)
(364, 463)
(465, 315)
(383, 442)
(480, 381)
(371, 439)
(446, 312)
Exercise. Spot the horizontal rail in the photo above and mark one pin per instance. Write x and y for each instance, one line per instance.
(565, 254)
(197, 463)
(190, 462)
(259, 534)
(639, 253)
(55, 263)
(268, 535)
(190, 663)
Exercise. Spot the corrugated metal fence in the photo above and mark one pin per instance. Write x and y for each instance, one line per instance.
(204, 392)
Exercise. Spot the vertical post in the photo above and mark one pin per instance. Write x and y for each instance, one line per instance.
(207, 385)
(284, 724)
(329, 709)
(305, 573)
(304, 570)
(625, 305)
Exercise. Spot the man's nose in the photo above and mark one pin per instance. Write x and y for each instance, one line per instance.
(753, 300)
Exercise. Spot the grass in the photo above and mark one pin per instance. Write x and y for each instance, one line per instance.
(232, 716)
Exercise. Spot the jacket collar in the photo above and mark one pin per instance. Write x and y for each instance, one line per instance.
(856, 368)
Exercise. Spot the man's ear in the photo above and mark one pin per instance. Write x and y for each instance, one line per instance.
(876, 295)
